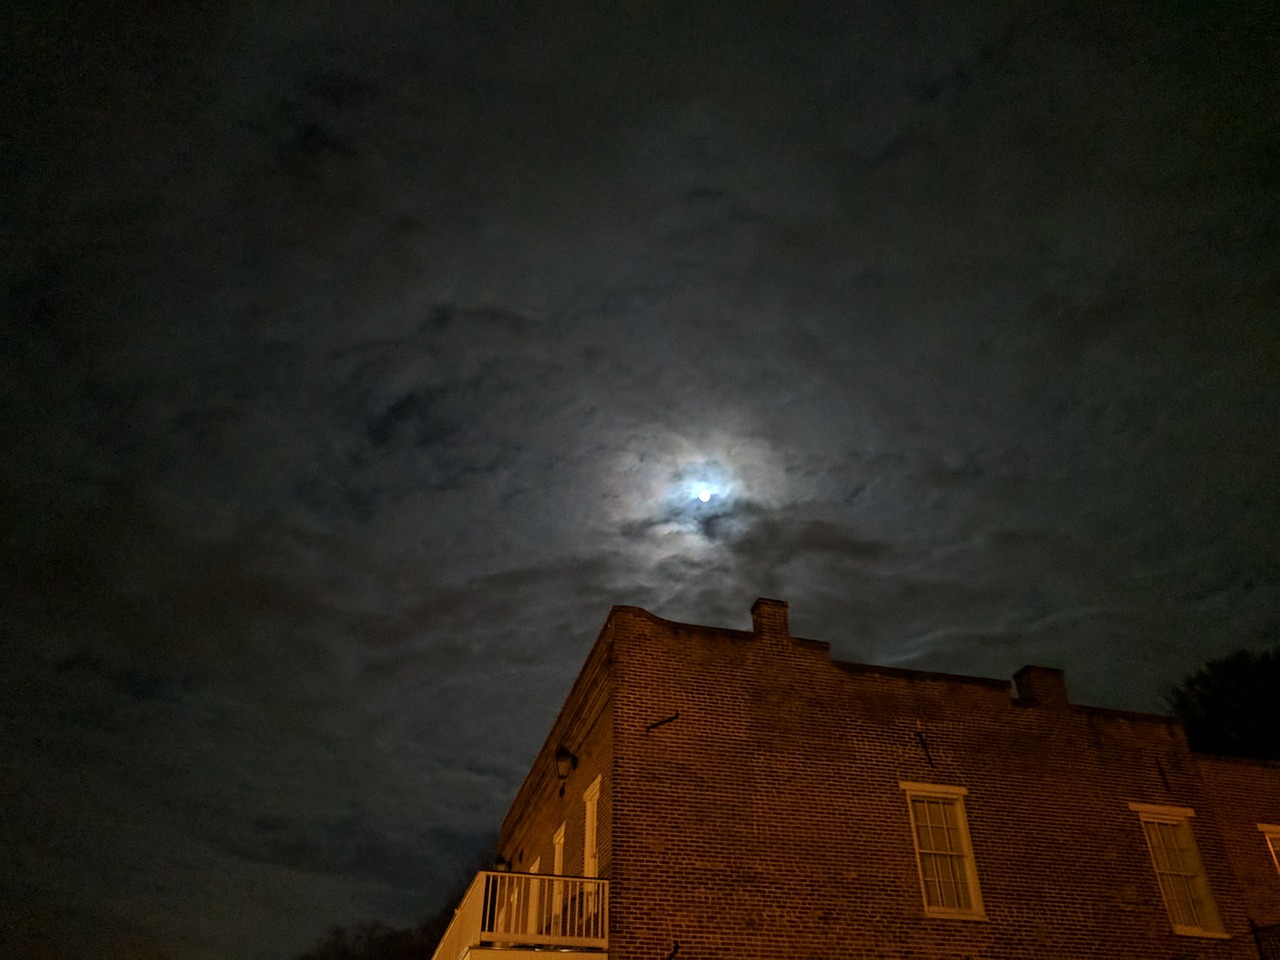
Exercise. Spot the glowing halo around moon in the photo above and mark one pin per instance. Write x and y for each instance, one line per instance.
(702, 482)
(686, 497)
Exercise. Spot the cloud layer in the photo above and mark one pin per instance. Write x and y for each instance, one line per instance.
(357, 361)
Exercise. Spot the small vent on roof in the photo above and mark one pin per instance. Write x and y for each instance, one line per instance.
(1041, 686)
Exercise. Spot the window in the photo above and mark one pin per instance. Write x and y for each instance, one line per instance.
(944, 855)
(557, 851)
(1271, 833)
(590, 801)
(1176, 861)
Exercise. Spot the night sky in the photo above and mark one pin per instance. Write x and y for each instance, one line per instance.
(357, 357)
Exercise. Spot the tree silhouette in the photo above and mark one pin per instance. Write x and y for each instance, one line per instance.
(374, 941)
(1231, 706)
(377, 941)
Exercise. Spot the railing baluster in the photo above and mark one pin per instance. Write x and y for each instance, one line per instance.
(515, 909)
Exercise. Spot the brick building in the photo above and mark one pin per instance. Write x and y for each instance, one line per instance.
(713, 793)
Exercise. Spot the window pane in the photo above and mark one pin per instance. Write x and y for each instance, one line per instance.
(960, 881)
(936, 826)
(1185, 901)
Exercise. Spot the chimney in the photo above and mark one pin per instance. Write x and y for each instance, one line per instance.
(769, 619)
(1041, 686)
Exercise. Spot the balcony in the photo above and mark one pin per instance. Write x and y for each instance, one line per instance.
(508, 916)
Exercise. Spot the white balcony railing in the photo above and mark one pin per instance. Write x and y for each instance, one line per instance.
(528, 910)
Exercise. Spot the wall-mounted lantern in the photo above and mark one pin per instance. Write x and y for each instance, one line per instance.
(565, 761)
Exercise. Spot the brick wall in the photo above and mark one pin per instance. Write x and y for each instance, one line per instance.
(751, 805)
(1245, 793)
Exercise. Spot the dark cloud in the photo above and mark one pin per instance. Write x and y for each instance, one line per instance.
(347, 846)
(355, 361)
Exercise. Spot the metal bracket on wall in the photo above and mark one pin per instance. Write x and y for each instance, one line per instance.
(654, 726)
(924, 745)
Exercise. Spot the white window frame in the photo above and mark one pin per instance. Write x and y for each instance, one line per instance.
(1175, 823)
(1271, 832)
(951, 797)
(557, 852)
(590, 823)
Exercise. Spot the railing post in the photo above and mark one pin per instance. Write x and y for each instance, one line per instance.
(557, 909)
(535, 889)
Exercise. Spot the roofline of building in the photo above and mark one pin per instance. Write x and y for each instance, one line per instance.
(575, 702)
(1246, 761)
(543, 759)
(906, 673)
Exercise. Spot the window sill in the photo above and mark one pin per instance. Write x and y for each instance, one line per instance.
(1201, 933)
(936, 914)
